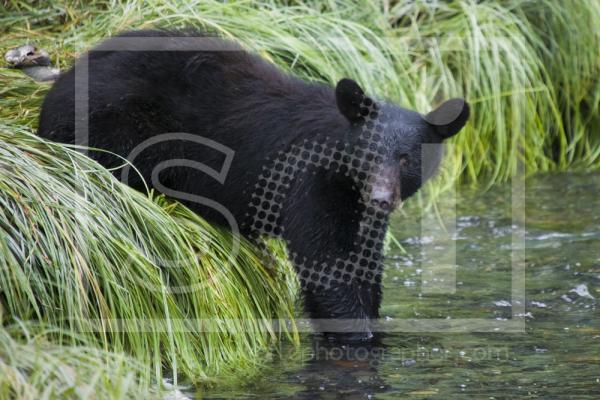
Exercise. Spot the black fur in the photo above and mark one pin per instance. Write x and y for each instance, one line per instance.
(245, 103)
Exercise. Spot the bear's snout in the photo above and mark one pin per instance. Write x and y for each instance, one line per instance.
(385, 189)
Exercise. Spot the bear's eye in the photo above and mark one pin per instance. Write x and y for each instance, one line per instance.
(402, 158)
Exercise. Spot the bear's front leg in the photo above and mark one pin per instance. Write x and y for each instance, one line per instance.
(344, 312)
(336, 248)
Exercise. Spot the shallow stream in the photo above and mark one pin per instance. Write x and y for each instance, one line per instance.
(465, 330)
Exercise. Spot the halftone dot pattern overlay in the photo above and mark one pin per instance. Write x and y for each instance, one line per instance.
(359, 160)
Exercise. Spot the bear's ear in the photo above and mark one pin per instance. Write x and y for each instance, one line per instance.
(349, 96)
(449, 117)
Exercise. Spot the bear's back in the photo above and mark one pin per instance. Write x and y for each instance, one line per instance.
(173, 80)
(147, 84)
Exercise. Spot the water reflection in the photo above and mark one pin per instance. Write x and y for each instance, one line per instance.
(336, 370)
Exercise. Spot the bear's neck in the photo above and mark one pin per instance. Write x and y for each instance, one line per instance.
(288, 111)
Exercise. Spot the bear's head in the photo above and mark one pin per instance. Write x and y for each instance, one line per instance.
(403, 149)
(408, 148)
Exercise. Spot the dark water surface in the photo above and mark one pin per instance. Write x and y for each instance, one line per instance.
(557, 355)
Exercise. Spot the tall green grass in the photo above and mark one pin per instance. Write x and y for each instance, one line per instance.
(529, 68)
(571, 57)
(32, 366)
(141, 276)
(75, 244)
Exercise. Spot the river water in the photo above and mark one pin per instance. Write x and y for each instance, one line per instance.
(465, 328)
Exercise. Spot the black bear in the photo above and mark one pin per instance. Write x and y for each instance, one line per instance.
(246, 145)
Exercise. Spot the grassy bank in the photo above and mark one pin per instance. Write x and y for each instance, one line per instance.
(33, 366)
(530, 68)
(84, 256)
(109, 268)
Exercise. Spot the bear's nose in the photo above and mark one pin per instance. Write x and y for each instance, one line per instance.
(385, 189)
(384, 204)
(382, 197)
